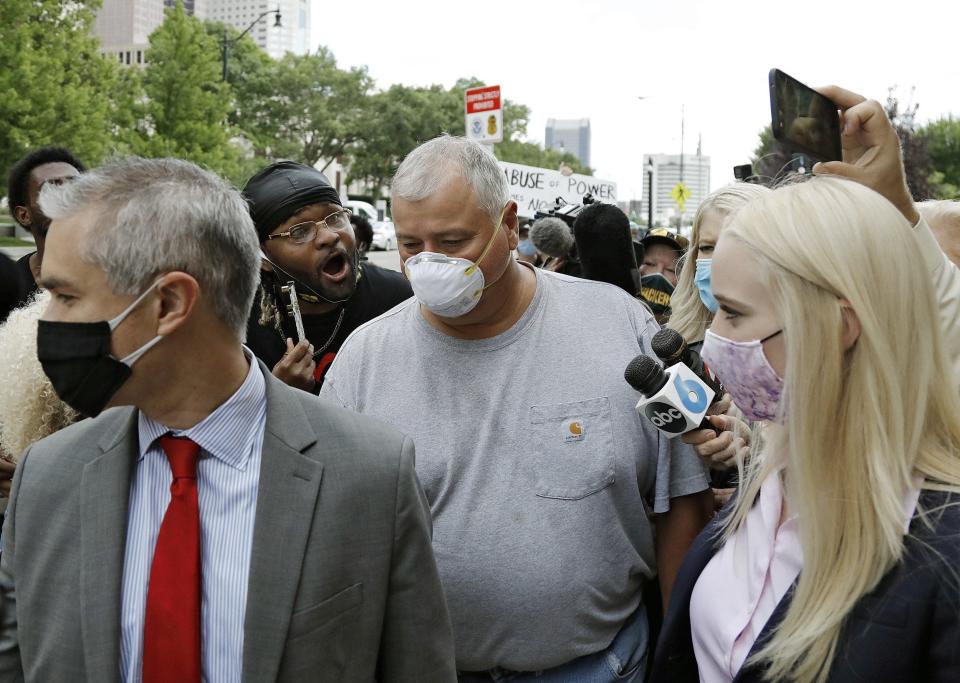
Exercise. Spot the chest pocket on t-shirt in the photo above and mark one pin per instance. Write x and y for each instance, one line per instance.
(571, 448)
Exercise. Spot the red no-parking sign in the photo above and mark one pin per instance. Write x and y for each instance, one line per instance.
(484, 114)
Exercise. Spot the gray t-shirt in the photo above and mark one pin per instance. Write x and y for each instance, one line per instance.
(539, 473)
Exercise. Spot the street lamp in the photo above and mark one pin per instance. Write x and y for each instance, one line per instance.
(226, 42)
(649, 193)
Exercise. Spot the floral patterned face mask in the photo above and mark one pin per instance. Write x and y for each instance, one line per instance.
(746, 374)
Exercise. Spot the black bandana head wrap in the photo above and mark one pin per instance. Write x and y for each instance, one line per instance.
(282, 189)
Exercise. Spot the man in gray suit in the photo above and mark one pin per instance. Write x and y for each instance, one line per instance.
(212, 523)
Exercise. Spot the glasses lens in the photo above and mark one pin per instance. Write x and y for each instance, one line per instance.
(303, 232)
(338, 221)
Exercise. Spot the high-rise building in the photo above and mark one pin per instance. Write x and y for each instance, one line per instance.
(293, 34)
(197, 8)
(571, 136)
(124, 26)
(667, 174)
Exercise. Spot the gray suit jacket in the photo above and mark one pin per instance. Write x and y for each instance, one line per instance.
(343, 584)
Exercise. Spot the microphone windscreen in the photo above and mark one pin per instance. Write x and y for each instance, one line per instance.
(605, 246)
(645, 375)
(668, 345)
(552, 237)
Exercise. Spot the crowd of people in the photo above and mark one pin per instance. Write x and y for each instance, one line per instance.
(236, 450)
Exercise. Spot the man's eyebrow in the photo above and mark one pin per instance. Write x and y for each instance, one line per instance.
(54, 283)
(459, 233)
(334, 208)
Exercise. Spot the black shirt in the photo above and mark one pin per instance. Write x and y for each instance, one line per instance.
(16, 285)
(377, 292)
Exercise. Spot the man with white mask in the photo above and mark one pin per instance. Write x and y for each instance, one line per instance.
(540, 476)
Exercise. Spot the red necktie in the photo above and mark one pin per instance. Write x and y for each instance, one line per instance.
(171, 632)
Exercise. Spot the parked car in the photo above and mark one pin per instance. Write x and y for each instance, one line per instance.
(364, 209)
(384, 236)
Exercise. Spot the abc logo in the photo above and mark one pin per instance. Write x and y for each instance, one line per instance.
(665, 417)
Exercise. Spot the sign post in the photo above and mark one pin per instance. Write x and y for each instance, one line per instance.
(484, 114)
(680, 194)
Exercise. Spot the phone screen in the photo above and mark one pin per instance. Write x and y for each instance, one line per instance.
(803, 119)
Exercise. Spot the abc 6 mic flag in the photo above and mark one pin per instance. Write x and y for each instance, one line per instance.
(680, 405)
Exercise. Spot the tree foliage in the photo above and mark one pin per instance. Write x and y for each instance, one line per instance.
(317, 108)
(54, 82)
(59, 89)
(185, 114)
(916, 158)
(771, 160)
(943, 145)
(395, 121)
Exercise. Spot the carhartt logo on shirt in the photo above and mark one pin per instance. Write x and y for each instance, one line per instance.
(573, 431)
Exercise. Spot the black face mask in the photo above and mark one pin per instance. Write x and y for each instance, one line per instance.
(76, 358)
(656, 290)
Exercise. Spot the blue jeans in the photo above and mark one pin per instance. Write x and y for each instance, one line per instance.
(624, 661)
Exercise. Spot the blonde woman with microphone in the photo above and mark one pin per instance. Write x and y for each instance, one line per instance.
(838, 559)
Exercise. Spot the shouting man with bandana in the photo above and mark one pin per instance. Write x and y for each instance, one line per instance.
(306, 238)
(544, 484)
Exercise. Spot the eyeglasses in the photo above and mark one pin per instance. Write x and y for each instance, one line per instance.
(301, 233)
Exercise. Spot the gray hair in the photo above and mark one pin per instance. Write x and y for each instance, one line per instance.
(160, 215)
(434, 163)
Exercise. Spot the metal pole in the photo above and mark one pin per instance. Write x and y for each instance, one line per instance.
(682, 127)
(650, 197)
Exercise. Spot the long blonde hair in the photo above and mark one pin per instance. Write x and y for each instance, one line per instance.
(29, 407)
(689, 316)
(858, 424)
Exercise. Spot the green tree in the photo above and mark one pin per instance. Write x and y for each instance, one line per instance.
(186, 111)
(770, 159)
(250, 83)
(318, 109)
(54, 84)
(394, 123)
(943, 144)
(916, 158)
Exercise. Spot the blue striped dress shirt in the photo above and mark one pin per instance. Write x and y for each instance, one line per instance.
(228, 473)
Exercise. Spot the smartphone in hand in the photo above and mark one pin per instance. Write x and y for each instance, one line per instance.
(292, 305)
(804, 120)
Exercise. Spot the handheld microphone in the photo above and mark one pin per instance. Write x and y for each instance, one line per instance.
(551, 236)
(675, 399)
(671, 348)
(605, 246)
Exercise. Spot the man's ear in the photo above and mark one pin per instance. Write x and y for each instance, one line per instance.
(512, 222)
(21, 215)
(265, 264)
(179, 297)
(851, 325)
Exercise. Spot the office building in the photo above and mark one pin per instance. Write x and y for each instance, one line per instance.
(572, 136)
(124, 28)
(196, 8)
(293, 34)
(667, 173)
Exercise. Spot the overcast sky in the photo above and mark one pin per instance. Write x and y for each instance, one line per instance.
(573, 59)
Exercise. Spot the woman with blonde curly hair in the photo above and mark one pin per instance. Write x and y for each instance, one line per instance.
(29, 408)
(837, 561)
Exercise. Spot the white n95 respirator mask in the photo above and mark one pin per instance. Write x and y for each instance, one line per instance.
(448, 286)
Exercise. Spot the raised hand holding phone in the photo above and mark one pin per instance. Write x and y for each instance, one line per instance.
(871, 150)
